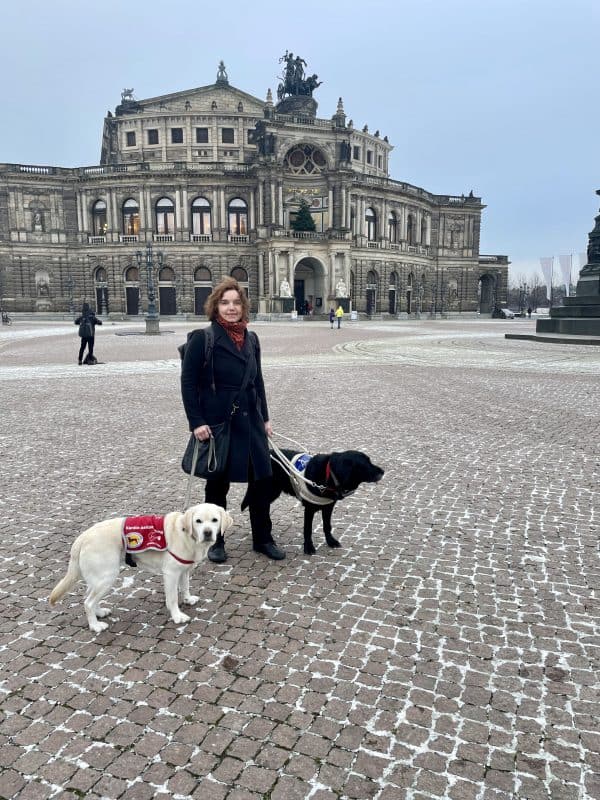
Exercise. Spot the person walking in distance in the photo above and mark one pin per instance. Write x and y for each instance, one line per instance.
(339, 313)
(87, 322)
(210, 391)
(331, 317)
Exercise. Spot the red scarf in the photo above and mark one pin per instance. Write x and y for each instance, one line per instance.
(235, 330)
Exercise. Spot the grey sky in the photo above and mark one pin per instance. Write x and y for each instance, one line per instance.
(496, 96)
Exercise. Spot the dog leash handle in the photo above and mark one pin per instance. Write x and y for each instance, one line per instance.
(188, 493)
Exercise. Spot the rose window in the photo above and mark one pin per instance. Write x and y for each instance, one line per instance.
(305, 160)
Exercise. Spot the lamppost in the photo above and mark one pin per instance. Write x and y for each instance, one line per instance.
(152, 315)
(71, 291)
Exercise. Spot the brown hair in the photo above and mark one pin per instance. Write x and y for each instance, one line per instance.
(211, 307)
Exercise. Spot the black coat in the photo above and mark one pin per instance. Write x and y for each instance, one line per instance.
(92, 318)
(203, 406)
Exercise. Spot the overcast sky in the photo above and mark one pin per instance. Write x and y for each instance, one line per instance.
(497, 96)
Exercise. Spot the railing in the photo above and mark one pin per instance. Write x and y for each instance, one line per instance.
(163, 237)
(238, 238)
(200, 237)
(374, 245)
(37, 170)
(96, 239)
(129, 238)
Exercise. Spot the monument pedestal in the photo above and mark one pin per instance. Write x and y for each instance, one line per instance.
(152, 326)
(578, 320)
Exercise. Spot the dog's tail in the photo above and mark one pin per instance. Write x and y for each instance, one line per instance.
(73, 574)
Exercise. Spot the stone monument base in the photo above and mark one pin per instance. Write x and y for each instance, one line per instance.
(580, 314)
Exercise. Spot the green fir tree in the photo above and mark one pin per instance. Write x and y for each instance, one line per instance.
(303, 220)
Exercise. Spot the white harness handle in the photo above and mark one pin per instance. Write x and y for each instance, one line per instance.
(297, 479)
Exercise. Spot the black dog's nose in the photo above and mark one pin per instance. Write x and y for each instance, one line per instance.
(207, 534)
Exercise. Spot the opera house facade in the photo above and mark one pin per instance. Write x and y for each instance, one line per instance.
(212, 182)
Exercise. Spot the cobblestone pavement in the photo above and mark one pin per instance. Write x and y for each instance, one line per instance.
(450, 649)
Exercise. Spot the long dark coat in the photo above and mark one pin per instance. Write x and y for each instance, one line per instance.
(203, 406)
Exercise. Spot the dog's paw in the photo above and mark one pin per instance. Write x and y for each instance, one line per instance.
(102, 612)
(180, 618)
(332, 542)
(98, 627)
(309, 549)
(191, 599)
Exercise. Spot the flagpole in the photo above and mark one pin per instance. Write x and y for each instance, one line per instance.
(551, 279)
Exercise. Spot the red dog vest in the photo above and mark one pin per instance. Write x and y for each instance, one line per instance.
(144, 533)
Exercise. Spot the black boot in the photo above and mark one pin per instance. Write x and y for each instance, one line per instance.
(269, 549)
(217, 553)
(130, 560)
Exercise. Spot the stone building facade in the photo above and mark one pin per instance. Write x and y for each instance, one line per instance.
(211, 179)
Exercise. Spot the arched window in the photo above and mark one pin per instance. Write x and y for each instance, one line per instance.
(371, 278)
(238, 217)
(166, 274)
(130, 212)
(371, 222)
(165, 216)
(241, 276)
(132, 275)
(410, 229)
(392, 228)
(100, 275)
(99, 224)
(394, 279)
(202, 274)
(423, 230)
(201, 225)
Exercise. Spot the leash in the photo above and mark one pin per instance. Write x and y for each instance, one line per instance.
(297, 479)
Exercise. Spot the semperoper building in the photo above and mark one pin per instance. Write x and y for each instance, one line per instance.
(212, 179)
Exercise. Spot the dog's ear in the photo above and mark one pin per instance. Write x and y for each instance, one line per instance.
(226, 521)
(186, 521)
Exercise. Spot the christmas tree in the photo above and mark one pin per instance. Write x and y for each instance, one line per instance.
(303, 220)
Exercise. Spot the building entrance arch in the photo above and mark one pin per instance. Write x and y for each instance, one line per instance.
(309, 285)
(487, 294)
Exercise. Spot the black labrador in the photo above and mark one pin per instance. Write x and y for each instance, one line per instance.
(336, 475)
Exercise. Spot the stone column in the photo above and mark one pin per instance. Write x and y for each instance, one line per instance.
(142, 210)
(186, 210)
(215, 210)
(280, 203)
(79, 219)
(273, 217)
(332, 280)
(252, 215)
(343, 202)
(261, 276)
(274, 272)
(177, 211)
(330, 209)
(261, 201)
(222, 204)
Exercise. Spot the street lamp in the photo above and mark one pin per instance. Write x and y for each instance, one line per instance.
(71, 291)
(152, 316)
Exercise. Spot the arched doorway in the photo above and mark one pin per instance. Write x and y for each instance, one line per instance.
(392, 294)
(202, 289)
(167, 297)
(486, 293)
(101, 285)
(309, 285)
(371, 292)
(132, 292)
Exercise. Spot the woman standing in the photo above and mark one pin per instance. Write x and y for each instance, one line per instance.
(210, 390)
(87, 330)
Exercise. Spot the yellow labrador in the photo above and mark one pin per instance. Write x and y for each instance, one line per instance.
(97, 555)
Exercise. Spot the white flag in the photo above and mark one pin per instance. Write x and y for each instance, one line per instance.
(547, 264)
(565, 268)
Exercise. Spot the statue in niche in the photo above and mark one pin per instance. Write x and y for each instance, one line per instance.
(285, 289)
(341, 290)
(38, 221)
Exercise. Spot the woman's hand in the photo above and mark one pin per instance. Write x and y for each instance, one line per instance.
(268, 429)
(202, 433)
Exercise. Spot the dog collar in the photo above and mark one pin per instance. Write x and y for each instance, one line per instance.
(177, 558)
(339, 493)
